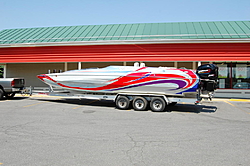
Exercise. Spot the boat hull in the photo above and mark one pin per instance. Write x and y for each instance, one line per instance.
(146, 80)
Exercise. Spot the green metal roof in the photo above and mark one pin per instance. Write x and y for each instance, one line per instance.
(128, 32)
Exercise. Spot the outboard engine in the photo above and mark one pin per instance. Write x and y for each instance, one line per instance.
(208, 74)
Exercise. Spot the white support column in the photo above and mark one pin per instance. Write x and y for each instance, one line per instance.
(199, 63)
(124, 63)
(194, 65)
(176, 64)
(65, 66)
(4, 71)
(79, 65)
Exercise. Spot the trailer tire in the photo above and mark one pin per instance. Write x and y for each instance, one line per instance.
(140, 104)
(122, 102)
(1, 94)
(157, 104)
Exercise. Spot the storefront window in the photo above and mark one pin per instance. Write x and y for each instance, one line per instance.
(241, 76)
(224, 75)
(234, 75)
(1, 71)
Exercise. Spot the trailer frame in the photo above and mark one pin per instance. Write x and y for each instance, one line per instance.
(138, 101)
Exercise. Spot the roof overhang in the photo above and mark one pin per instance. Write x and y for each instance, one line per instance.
(121, 42)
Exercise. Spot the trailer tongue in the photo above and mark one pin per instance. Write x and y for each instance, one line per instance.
(137, 86)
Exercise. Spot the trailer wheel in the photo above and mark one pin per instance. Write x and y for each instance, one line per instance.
(157, 104)
(140, 104)
(122, 102)
(1, 94)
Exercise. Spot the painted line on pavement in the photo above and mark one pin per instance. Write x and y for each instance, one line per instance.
(236, 106)
(4, 100)
(78, 107)
(241, 100)
(35, 104)
(36, 95)
(229, 103)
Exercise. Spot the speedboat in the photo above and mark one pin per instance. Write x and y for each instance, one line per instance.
(126, 79)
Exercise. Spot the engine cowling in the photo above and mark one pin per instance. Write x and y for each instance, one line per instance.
(208, 74)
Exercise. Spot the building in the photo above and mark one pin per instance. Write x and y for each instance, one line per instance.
(28, 52)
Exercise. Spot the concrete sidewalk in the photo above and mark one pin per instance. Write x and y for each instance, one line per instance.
(232, 93)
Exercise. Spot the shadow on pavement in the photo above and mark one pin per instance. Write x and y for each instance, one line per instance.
(189, 108)
(89, 102)
(15, 98)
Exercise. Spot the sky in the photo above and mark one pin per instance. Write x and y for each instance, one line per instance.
(50, 13)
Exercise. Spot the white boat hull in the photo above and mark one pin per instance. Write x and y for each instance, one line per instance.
(126, 79)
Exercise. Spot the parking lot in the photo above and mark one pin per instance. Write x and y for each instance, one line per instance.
(52, 131)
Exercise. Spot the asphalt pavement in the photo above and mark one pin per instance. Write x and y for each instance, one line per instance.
(53, 131)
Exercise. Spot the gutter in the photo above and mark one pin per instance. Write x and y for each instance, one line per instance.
(123, 42)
